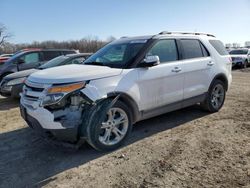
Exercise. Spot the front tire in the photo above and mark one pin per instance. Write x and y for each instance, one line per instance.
(215, 98)
(108, 126)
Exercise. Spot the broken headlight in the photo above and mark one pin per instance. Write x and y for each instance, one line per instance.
(56, 93)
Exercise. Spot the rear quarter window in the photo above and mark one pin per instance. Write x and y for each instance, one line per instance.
(219, 47)
(69, 52)
(48, 55)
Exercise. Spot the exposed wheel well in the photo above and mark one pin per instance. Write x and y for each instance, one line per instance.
(5, 74)
(222, 78)
(126, 99)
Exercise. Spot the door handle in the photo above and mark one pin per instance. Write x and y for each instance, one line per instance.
(210, 63)
(176, 69)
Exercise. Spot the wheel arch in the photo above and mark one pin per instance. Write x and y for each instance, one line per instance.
(5, 74)
(129, 101)
(222, 77)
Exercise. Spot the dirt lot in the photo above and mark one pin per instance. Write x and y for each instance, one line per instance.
(186, 148)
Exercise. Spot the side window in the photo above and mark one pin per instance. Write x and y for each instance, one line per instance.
(31, 58)
(191, 48)
(48, 55)
(165, 49)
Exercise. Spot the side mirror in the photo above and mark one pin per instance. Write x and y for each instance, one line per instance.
(150, 61)
(20, 61)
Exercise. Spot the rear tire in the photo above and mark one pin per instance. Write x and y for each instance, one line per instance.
(244, 65)
(215, 97)
(108, 126)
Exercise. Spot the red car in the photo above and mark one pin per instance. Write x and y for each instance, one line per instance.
(4, 57)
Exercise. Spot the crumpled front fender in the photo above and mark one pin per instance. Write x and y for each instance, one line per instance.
(92, 93)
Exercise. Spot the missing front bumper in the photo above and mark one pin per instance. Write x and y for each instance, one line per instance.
(67, 134)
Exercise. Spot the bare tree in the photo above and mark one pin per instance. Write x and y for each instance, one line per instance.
(4, 35)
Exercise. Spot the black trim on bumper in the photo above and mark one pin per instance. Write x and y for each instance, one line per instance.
(69, 134)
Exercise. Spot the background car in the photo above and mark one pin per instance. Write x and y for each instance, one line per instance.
(240, 57)
(12, 84)
(28, 59)
(5, 57)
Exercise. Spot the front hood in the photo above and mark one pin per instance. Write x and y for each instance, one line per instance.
(20, 74)
(239, 55)
(72, 73)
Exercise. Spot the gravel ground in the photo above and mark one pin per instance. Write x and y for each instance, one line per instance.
(185, 148)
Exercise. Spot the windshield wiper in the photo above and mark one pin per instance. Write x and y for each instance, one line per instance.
(94, 63)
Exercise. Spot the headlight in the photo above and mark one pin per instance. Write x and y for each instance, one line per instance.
(52, 99)
(56, 93)
(66, 88)
(16, 81)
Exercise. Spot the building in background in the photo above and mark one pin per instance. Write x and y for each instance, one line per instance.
(236, 45)
(247, 44)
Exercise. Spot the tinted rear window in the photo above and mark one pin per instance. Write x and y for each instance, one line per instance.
(219, 47)
(241, 52)
(191, 48)
(48, 55)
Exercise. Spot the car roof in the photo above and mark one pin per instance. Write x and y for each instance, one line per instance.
(165, 34)
(78, 55)
(44, 49)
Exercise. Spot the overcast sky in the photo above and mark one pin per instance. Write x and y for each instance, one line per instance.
(34, 20)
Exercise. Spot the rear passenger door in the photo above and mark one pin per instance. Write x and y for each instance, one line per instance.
(196, 65)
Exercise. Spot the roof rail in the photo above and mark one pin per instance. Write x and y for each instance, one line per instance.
(185, 33)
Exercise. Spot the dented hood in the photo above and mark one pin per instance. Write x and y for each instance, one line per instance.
(72, 73)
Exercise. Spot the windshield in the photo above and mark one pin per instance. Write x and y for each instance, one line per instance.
(238, 52)
(116, 55)
(54, 62)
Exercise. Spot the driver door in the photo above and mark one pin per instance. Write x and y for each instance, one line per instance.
(161, 85)
(29, 61)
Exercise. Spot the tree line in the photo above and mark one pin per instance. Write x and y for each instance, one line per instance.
(83, 45)
(88, 44)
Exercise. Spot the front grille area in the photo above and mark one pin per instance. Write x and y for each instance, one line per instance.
(31, 98)
(30, 88)
(32, 92)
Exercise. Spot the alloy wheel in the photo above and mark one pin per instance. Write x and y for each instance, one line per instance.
(115, 126)
(218, 95)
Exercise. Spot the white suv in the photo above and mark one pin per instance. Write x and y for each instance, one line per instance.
(126, 81)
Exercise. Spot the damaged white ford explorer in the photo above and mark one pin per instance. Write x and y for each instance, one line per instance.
(128, 80)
